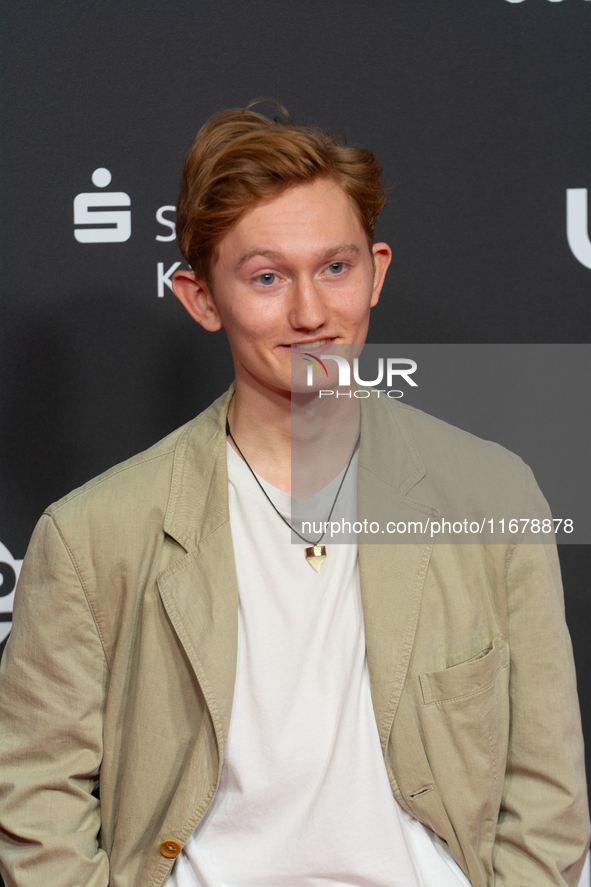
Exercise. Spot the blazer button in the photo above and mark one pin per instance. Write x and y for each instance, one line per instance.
(170, 848)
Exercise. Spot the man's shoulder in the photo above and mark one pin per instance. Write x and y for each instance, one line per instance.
(436, 438)
(144, 479)
(139, 471)
(462, 472)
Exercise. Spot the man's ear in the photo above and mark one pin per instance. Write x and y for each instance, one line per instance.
(382, 256)
(197, 299)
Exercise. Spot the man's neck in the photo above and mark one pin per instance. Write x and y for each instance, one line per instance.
(298, 443)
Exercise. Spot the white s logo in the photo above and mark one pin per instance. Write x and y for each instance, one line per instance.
(115, 224)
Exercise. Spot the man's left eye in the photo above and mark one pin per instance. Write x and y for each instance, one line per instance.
(336, 267)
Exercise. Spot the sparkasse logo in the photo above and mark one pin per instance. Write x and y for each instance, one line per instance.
(102, 225)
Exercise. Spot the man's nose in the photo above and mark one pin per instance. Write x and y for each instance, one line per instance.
(308, 308)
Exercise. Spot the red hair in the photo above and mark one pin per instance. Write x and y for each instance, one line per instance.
(240, 157)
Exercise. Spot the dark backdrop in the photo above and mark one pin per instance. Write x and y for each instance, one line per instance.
(478, 111)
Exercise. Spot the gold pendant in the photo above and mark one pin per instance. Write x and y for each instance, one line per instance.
(316, 555)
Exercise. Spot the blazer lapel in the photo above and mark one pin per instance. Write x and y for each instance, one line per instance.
(392, 574)
(200, 591)
(392, 580)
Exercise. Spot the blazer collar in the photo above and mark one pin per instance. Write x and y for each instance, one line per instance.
(390, 466)
(389, 456)
(198, 500)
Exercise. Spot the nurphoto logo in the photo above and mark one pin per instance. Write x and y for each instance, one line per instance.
(399, 368)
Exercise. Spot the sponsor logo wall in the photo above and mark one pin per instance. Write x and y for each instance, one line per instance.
(478, 112)
(98, 219)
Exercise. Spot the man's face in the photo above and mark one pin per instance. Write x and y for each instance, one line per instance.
(294, 270)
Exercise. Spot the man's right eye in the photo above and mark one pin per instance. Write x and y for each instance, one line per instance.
(267, 279)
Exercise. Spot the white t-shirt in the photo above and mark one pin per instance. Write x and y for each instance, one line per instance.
(304, 798)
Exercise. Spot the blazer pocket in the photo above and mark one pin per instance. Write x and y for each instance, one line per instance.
(467, 678)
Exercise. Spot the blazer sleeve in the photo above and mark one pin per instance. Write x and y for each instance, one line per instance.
(53, 685)
(542, 833)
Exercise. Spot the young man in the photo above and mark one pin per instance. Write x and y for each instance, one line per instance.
(398, 715)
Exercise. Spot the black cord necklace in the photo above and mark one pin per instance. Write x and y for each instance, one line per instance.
(316, 553)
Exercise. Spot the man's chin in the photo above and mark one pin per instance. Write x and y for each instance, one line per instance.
(302, 391)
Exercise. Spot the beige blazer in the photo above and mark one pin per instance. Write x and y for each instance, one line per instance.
(119, 672)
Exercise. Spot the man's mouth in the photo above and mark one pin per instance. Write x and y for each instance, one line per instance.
(317, 344)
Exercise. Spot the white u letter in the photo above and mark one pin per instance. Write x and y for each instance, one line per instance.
(576, 225)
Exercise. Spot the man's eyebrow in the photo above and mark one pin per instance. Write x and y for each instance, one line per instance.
(273, 254)
(341, 248)
(258, 251)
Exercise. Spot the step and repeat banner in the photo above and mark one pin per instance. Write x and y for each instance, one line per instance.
(479, 113)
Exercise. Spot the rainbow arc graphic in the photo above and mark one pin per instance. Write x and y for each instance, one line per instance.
(315, 361)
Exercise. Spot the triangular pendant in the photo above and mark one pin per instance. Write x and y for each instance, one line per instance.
(316, 555)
